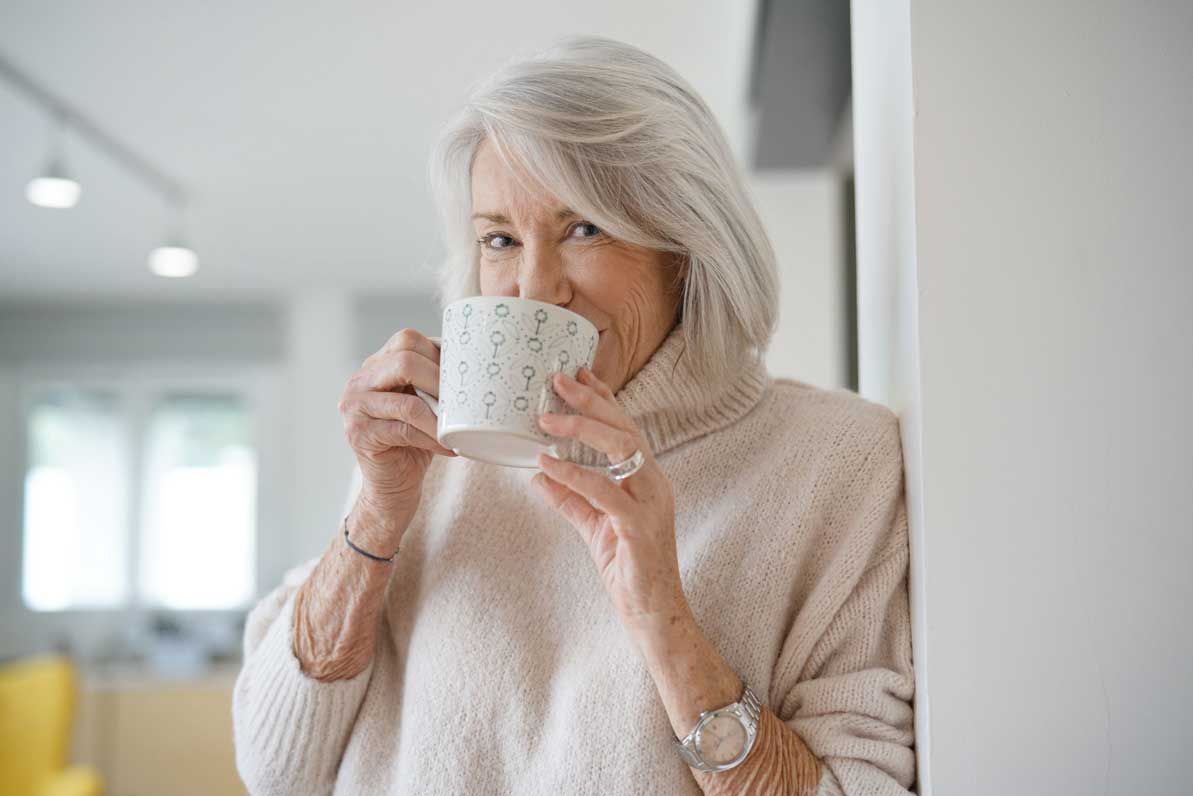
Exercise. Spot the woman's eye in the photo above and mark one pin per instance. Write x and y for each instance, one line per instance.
(496, 241)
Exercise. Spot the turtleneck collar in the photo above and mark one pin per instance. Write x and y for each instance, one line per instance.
(671, 405)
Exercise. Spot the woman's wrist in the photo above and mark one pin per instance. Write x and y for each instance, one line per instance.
(658, 630)
(375, 525)
(336, 613)
(689, 672)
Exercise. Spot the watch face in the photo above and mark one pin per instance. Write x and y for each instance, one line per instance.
(721, 739)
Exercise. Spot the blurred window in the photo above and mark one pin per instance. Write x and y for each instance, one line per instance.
(198, 504)
(145, 500)
(76, 487)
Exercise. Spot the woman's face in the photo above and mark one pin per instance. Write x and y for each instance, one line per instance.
(534, 248)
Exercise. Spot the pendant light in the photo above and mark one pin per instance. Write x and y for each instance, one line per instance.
(53, 187)
(174, 258)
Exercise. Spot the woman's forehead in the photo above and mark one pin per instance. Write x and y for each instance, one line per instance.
(507, 195)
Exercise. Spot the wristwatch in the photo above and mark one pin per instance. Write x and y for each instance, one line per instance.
(723, 737)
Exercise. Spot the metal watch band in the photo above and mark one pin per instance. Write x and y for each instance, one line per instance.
(747, 709)
(752, 705)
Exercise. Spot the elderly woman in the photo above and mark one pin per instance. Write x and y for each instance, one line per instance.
(561, 631)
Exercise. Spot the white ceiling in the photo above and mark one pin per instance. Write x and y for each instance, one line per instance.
(301, 129)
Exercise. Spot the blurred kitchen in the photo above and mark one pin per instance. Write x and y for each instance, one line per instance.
(209, 215)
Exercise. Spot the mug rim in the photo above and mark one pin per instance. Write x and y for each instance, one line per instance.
(519, 299)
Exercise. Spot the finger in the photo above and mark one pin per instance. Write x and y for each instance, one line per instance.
(359, 407)
(410, 340)
(616, 443)
(588, 401)
(593, 486)
(396, 369)
(396, 406)
(394, 434)
(586, 376)
(572, 505)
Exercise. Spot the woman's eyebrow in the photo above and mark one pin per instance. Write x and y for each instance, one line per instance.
(501, 218)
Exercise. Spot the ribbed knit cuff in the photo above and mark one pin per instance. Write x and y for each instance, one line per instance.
(290, 729)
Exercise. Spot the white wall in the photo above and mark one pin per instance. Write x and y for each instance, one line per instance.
(804, 215)
(1054, 304)
(319, 339)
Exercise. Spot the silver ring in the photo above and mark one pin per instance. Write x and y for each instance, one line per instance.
(625, 469)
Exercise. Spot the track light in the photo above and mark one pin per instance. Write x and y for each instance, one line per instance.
(54, 188)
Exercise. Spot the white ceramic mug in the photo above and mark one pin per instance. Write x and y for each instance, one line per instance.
(497, 355)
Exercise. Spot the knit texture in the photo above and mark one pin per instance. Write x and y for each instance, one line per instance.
(501, 668)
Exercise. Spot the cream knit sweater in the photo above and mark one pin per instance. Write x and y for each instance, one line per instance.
(501, 668)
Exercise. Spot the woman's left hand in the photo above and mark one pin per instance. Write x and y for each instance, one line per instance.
(628, 526)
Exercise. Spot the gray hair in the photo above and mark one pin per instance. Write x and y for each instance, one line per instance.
(620, 138)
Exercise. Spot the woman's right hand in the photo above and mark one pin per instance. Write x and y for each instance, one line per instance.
(389, 428)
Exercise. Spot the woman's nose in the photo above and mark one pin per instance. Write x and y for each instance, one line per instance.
(542, 277)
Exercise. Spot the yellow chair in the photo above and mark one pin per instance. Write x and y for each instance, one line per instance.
(37, 703)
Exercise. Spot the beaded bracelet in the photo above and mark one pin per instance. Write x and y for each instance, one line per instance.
(365, 552)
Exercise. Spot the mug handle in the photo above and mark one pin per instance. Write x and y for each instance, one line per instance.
(429, 399)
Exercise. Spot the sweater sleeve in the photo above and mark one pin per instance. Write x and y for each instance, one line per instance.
(846, 680)
(290, 730)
